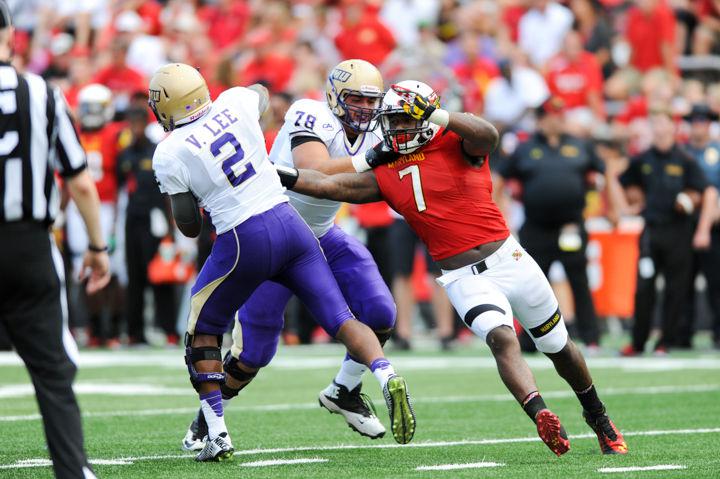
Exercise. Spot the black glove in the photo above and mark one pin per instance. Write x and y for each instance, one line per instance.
(380, 154)
(288, 176)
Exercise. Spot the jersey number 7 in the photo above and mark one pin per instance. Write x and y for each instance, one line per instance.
(414, 172)
(228, 150)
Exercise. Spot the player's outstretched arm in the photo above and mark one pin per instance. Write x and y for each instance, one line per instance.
(479, 136)
(348, 187)
(186, 214)
(264, 100)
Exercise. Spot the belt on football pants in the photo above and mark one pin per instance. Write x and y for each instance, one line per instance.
(479, 267)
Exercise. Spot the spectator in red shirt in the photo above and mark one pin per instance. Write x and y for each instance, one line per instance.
(225, 22)
(122, 80)
(707, 35)
(268, 66)
(650, 31)
(575, 76)
(363, 35)
(474, 73)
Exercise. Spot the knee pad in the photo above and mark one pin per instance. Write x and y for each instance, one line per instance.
(383, 335)
(379, 313)
(203, 353)
(550, 336)
(231, 369)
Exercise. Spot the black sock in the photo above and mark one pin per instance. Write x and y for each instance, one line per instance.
(590, 401)
(532, 404)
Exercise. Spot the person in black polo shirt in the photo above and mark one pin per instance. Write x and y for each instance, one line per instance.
(553, 169)
(667, 185)
(146, 210)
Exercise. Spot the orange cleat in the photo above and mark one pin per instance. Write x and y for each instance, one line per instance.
(551, 432)
(610, 438)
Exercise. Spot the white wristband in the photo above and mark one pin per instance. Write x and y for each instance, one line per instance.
(440, 117)
(686, 202)
(360, 163)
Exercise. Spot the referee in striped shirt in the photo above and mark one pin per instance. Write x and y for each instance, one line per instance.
(37, 139)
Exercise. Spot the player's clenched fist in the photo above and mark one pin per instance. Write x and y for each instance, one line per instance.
(422, 108)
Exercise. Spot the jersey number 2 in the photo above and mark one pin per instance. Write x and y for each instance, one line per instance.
(228, 150)
(414, 172)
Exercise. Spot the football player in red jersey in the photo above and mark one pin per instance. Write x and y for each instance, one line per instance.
(432, 168)
(99, 138)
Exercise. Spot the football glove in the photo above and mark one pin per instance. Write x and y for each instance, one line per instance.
(422, 108)
(288, 176)
(378, 155)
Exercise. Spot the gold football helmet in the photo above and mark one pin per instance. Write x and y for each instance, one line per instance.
(354, 77)
(178, 95)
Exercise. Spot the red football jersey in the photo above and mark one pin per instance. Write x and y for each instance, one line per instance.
(445, 200)
(101, 148)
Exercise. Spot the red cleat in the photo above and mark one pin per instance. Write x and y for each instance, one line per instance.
(551, 432)
(610, 438)
(629, 351)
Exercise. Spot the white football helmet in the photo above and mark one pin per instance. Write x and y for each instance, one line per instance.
(95, 107)
(406, 139)
(354, 77)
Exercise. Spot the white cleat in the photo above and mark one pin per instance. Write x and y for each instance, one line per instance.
(219, 449)
(194, 439)
(355, 407)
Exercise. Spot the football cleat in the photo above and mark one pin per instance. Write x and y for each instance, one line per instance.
(551, 432)
(402, 416)
(194, 439)
(610, 438)
(355, 407)
(219, 449)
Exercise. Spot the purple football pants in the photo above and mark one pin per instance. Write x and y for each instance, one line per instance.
(275, 245)
(261, 317)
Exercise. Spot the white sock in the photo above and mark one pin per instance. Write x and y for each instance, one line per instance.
(212, 408)
(350, 374)
(383, 370)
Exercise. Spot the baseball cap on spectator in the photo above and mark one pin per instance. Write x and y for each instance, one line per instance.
(700, 112)
(128, 22)
(553, 104)
(61, 44)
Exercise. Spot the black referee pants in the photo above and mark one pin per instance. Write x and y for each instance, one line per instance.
(665, 249)
(32, 314)
(542, 244)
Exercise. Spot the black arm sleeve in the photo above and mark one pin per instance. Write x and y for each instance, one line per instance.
(187, 214)
(296, 141)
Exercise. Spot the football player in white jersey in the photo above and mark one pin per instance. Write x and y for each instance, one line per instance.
(214, 158)
(322, 136)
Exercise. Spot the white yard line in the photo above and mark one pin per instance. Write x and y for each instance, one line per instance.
(80, 387)
(174, 360)
(283, 462)
(452, 467)
(659, 467)
(342, 447)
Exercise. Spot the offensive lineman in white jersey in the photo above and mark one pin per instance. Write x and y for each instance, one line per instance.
(214, 158)
(323, 136)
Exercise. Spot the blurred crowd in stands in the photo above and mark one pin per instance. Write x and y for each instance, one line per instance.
(608, 65)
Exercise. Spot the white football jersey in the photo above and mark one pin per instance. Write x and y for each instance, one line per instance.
(221, 159)
(314, 118)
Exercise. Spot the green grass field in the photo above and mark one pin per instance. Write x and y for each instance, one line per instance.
(137, 405)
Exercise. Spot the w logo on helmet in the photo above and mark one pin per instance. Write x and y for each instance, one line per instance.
(340, 75)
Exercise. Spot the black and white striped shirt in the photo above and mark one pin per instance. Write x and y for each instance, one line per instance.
(37, 139)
